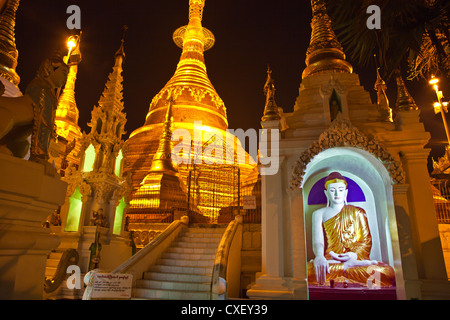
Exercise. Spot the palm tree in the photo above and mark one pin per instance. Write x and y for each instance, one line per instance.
(414, 34)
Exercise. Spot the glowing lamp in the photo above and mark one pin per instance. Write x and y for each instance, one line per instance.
(437, 107)
(433, 81)
(71, 43)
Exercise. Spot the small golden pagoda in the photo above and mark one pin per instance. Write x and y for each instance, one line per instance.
(325, 53)
(382, 99)
(161, 190)
(271, 107)
(66, 118)
(193, 100)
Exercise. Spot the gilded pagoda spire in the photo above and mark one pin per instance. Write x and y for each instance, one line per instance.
(108, 120)
(271, 108)
(195, 98)
(112, 96)
(161, 188)
(325, 53)
(162, 160)
(404, 101)
(382, 99)
(67, 113)
(8, 50)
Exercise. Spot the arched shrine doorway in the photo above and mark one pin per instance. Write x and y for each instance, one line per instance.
(370, 188)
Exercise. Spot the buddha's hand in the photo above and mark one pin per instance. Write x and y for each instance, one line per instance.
(358, 263)
(343, 257)
(321, 268)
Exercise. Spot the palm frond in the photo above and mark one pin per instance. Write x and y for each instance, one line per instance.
(405, 24)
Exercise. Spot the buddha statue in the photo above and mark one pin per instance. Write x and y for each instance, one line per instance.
(341, 241)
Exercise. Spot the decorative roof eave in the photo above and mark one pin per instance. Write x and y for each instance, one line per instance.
(342, 133)
(197, 93)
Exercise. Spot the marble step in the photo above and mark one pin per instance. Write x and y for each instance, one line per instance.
(188, 239)
(173, 285)
(53, 263)
(206, 230)
(55, 255)
(181, 277)
(202, 235)
(193, 244)
(143, 293)
(50, 272)
(192, 251)
(186, 262)
(181, 269)
(188, 256)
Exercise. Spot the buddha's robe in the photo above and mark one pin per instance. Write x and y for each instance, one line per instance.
(348, 231)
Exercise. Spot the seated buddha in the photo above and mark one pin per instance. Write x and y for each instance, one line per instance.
(341, 241)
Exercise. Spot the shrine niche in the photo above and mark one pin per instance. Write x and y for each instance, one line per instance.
(344, 249)
(360, 229)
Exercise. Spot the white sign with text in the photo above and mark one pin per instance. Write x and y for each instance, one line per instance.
(111, 286)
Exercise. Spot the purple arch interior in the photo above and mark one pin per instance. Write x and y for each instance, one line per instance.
(317, 196)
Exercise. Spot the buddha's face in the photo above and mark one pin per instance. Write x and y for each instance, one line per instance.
(336, 193)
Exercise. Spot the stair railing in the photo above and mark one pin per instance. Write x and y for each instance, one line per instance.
(231, 239)
(69, 257)
(140, 262)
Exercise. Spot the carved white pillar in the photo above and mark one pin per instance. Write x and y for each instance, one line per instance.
(408, 286)
(271, 282)
(300, 272)
(272, 224)
(423, 216)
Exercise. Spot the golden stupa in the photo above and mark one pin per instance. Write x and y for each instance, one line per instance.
(325, 53)
(193, 99)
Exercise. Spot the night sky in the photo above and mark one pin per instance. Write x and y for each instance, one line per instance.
(250, 34)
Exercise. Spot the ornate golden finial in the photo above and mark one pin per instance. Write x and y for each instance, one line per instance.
(325, 53)
(121, 50)
(271, 108)
(8, 50)
(404, 101)
(196, 9)
(194, 30)
(382, 99)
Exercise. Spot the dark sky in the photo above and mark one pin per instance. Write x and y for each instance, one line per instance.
(250, 34)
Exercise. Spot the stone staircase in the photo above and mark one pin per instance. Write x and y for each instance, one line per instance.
(52, 263)
(184, 271)
(61, 291)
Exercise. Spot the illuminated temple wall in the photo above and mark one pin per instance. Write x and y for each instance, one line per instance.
(212, 186)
